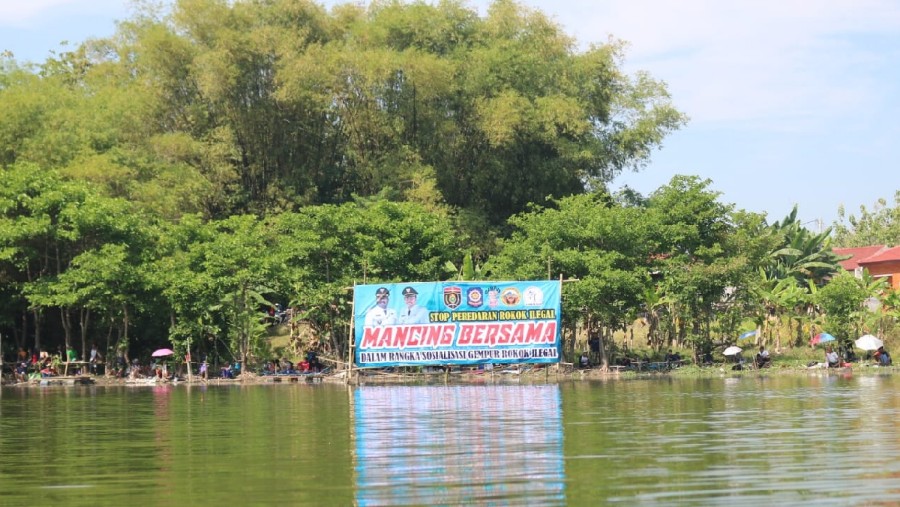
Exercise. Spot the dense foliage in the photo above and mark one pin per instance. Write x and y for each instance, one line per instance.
(878, 226)
(166, 186)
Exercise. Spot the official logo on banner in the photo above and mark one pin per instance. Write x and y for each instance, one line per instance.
(510, 296)
(493, 296)
(475, 297)
(533, 296)
(452, 297)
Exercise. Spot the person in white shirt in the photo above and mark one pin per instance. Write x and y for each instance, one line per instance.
(380, 314)
(413, 313)
(762, 358)
(831, 358)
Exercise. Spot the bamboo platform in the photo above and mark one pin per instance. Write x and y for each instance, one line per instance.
(305, 377)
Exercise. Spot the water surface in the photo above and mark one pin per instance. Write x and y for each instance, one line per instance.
(818, 439)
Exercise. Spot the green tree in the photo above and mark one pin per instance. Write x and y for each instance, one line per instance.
(606, 247)
(324, 250)
(228, 108)
(697, 259)
(801, 255)
(841, 300)
(237, 265)
(780, 300)
(878, 226)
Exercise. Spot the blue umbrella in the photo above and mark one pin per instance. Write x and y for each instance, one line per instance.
(822, 338)
(748, 334)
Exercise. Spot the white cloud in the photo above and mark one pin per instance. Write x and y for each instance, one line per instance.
(30, 13)
(786, 62)
(17, 12)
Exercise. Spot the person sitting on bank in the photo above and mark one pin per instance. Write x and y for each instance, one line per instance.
(21, 371)
(762, 357)
(739, 359)
(832, 360)
(882, 356)
(584, 361)
(48, 371)
(313, 359)
(95, 358)
(673, 359)
(71, 355)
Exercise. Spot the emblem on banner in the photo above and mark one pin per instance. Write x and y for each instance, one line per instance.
(475, 297)
(452, 297)
(533, 296)
(510, 296)
(493, 296)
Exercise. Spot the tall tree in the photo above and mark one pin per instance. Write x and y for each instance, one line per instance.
(606, 247)
(698, 260)
(877, 226)
(261, 107)
(801, 255)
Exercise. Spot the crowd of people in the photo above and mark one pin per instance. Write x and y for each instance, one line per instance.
(43, 364)
(309, 364)
(834, 358)
(837, 359)
(30, 365)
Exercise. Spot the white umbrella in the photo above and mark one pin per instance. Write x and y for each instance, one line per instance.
(732, 350)
(868, 342)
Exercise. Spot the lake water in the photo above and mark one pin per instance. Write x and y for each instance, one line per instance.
(817, 439)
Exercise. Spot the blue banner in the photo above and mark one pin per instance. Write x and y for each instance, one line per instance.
(447, 323)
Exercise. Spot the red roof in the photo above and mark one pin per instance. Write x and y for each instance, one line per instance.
(859, 255)
(886, 255)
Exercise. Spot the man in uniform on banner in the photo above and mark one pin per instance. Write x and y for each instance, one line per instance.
(380, 314)
(413, 313)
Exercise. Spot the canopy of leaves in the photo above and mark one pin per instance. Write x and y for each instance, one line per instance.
(878, 226)
(233, 107)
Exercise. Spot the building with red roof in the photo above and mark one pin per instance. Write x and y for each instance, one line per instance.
(879, 260)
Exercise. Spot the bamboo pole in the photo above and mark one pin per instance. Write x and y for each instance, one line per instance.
(190, 372)
(350, 337)
(559, 330)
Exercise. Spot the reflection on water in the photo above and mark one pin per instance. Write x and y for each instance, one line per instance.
(174, 445)
(821, 439)
(455, 445)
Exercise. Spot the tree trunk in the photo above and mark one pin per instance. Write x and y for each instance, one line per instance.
(125, 323)
(25, 329)
(604, 359)
(37, 329)
(109, 356)
(85, 318)
(66, 318)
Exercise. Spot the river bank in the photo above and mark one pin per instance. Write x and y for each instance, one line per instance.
(514, 373)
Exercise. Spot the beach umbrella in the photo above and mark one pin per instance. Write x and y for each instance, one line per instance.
(822, 338)
(868, 342)
(732, 350)
(162, 352)
(748, 334)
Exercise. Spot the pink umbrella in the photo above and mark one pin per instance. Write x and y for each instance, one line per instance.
(162, 352)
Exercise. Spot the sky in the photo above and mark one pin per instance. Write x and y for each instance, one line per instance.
(791, 102)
